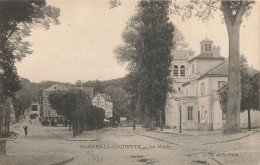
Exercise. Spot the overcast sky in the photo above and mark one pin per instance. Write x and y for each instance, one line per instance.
(81, 47)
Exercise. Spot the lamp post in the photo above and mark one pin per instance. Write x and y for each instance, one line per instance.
(180, 129)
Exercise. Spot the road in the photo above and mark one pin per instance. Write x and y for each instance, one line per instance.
(122, 145)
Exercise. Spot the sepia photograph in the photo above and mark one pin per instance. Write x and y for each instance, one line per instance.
(129, 82)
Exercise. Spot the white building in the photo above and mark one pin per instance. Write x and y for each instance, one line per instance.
(104, 101)
(196, 80)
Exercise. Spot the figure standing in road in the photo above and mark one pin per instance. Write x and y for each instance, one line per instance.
(25, 130)
(134, 126)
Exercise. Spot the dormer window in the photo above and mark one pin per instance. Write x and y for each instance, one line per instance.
(206, 47)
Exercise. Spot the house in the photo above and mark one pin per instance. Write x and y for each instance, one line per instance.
(104, 101)
(48, 113)
(35, 106)
(195, 105)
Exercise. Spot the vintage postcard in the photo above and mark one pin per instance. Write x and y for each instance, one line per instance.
(129, 82)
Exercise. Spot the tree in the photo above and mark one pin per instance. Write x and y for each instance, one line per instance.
(148, 41)
(96, 84)
(234, 13)
(249, 98)
(14, 26)
(73, 104)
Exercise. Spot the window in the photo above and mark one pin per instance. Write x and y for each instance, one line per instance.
(182, 71)
(209, 47)
(206, 47)
(190, 109)
(175, 70)
(193, 68)
(49, 113)
(202, 89)
(202, 112)
(221, 84)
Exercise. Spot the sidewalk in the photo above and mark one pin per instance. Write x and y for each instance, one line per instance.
(194, 137)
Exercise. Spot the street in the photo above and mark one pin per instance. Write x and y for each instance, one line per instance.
(122, 145)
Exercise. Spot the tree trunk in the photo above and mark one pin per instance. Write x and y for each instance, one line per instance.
(161, 120)
(249, 120)
(74, 127)
(234, 84)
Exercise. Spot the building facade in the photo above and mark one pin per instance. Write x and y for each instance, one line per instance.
(195, 103)
(104, 101)
(49, 114)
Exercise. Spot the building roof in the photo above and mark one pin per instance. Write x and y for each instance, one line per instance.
(206, 40)
(180, 54)
(88, 90)
(207, 56)
(105, 96)
(57, 87)
(220, 70)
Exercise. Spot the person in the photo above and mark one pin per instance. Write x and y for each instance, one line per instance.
(25, 130)
(134, 126)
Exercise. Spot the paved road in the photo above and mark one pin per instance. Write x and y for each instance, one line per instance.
(123, 146)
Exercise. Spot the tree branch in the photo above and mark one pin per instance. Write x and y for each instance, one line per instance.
(227, 12)
(240, 11)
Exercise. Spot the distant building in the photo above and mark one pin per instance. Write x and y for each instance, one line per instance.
(104, 101)
(35, 106)
(48, 113)
(195, 105)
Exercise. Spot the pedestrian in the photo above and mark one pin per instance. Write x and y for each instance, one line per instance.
(25, 130)
(134, 126)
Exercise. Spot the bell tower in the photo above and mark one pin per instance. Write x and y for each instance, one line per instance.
(206, 46)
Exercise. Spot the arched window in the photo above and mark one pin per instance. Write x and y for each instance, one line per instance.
(209, 47)
(182, 70)
(175, 70)
(206, 47)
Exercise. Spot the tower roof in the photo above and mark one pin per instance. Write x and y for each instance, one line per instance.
(206, 40)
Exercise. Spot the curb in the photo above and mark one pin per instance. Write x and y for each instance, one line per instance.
(233, 139)
(63, 161)
(158, 139)
(13, 139)
(96, 139)
(173, 133)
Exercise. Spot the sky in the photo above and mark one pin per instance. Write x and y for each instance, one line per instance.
(81, 47)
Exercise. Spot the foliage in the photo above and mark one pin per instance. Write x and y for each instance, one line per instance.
(254, 94)
(96, 118)
(120, 101)
(14, 27)
(249, 88)
(74, 104)
(96, 84)
(148, 41)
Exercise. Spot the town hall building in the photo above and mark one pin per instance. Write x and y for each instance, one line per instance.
(196, 80)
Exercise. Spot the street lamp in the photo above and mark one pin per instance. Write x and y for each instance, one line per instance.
(180, 129)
